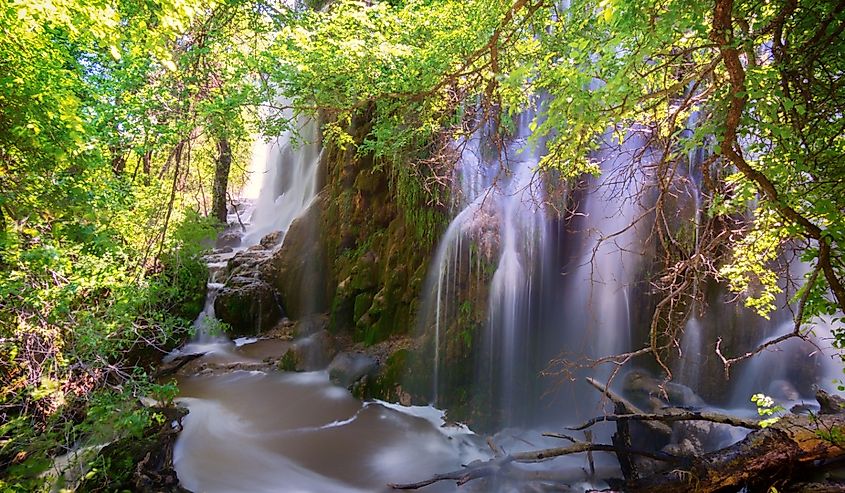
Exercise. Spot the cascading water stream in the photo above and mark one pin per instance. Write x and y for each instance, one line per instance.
(597, 289)
(289, 184)
(499, 227)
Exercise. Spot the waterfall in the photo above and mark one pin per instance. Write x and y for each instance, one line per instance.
(282, 184)
(612, 230)
(499, 227)
(289, 182)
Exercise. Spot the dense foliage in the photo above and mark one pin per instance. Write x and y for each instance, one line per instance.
(110, 119)
(756, 86)
(114, 115)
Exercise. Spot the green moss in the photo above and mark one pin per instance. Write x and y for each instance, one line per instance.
(289, 361)
(363, 302)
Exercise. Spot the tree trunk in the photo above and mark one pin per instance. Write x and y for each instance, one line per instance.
(221, 179)
(782, 450)
(118, 160)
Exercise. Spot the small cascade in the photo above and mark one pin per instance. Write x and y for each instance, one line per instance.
(254, 428)
(289, 181)
(690, 363)
(789, 371)
(484, 270)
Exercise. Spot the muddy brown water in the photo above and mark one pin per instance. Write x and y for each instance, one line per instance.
(270, 431)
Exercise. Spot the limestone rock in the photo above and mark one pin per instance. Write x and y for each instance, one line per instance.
(229, 239)
(347, 368)
(272, 240)
(311, 324)
(297, 269)
(310, 353)
(248, 305)
(247, 263)
(645, 388)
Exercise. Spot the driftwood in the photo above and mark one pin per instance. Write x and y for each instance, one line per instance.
(480, 469)
(673, 415)
(791, 448)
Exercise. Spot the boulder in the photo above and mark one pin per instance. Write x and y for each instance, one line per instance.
(248, 305)
(310, 353)
(783, 390)
(272, 240)
(228, 239)
(658, 393)
(311, 324)
(348, 368)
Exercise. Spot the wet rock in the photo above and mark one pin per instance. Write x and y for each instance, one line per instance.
(248, 305)
(688, 447)
(297, 269)
(830, 403)
(248, 263)
(170, 366)
(362, 303)
(689, 438)
(640, 385)
(272, 240)
(310, 353)
(364, 274)
(804, 408)
(348, 368)
(229, 239)
(783, 390)
(311, 324)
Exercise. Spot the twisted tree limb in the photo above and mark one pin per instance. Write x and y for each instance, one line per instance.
(722, 34)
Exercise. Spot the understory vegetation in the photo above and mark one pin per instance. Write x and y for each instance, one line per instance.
(119, 120)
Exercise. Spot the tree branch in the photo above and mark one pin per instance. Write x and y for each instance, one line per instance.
(673, 416)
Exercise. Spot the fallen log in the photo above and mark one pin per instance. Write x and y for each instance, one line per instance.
(473, 471)
(785, 449)
(493, 466)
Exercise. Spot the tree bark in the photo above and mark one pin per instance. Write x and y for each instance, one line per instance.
(221, 179)
(779, 451)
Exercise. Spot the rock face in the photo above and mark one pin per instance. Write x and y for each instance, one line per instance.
(297, 269)
(248, 305)
(379, 234)
(349, 269)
